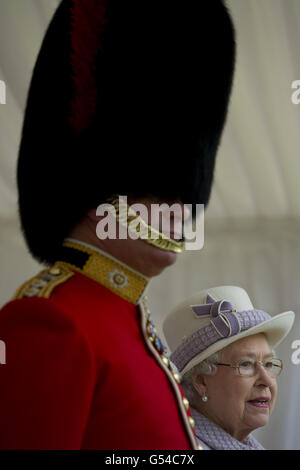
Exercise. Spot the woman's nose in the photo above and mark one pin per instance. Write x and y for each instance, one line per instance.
(264, 377)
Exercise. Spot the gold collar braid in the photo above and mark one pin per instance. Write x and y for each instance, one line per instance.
(104, 268)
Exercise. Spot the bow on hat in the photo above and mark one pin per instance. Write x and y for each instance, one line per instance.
(223, 319)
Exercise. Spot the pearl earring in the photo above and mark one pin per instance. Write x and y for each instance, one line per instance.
(204, 398)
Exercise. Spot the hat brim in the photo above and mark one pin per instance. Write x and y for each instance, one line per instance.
(275, 330)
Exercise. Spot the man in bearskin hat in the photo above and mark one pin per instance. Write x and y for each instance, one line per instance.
(126, 98)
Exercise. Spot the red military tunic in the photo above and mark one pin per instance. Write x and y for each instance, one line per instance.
(84, 366)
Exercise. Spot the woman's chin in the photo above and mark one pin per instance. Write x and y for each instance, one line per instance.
(258, 418)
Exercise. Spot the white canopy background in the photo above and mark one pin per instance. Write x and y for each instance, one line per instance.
(252, 223)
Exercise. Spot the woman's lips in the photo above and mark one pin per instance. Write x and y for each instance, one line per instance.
(259, 402)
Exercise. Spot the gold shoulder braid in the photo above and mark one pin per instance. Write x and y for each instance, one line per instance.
(43, 283)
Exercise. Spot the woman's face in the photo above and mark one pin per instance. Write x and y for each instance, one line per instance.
(231, 397)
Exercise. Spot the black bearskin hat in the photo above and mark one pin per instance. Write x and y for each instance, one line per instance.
(127, 97)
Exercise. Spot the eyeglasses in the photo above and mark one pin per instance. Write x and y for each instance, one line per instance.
(249, 368)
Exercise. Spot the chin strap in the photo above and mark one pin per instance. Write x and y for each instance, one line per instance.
(126, 215)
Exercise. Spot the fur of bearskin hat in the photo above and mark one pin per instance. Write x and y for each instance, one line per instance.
(126, 97)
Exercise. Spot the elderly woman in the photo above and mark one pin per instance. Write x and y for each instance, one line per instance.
(224, 349)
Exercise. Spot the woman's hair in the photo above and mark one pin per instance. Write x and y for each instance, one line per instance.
(206, 367)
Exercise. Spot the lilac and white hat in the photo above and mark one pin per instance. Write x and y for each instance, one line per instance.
(213, 319)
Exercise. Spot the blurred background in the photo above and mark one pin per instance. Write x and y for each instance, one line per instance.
(252, 224)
